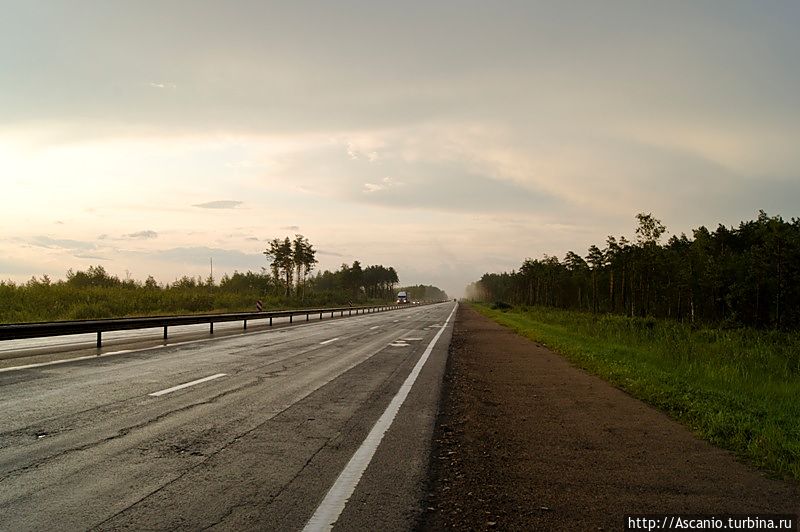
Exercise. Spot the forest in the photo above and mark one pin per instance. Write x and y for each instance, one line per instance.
(423, 292)
(288, 281)
(733, 276)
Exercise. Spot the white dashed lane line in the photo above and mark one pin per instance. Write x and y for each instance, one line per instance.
(326, 342)
(186, 385)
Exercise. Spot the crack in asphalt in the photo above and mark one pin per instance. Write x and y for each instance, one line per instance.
(280, 491)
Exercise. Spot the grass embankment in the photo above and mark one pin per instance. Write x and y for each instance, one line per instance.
(738, 389)
(64, 302)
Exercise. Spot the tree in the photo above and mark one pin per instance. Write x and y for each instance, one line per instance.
(281, 253)
(303, 257)
(597, 260)
(650, 229)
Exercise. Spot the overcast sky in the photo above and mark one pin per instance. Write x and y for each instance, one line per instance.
(446, 139)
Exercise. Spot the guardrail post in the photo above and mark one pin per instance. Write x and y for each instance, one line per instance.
(306, 316)
(270, 321)
(99, 339)
(290, 318)
(245, 325)
(320, 315)
(331, 314)
(349, 312)
(165, 332)
(211, 329)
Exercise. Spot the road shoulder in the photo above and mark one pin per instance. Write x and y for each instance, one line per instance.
(525, 441)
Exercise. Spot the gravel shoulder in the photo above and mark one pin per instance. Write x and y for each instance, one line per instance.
(525, 441)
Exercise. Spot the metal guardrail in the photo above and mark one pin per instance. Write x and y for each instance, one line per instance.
(19, 331)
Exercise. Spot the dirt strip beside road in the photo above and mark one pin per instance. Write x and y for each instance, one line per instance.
(525, 441)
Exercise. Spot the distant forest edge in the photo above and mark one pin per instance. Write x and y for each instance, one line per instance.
(739, 276)
(288, 282)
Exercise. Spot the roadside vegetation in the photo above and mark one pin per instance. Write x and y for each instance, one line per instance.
(288, 282)
(706, 328)
(423, 292)
(739, 276)
(737, 388)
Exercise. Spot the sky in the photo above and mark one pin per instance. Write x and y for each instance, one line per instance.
(446, 139)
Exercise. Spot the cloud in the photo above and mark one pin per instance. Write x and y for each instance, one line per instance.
(290, 228)
(62, 243)
(90, 257)
(253, 238)
(17, 267)
(162, 85)
(219, 204)
(77, 248)
(147, 234)
(200, 255)
(330, 253)
(363, 148)
(384, 184)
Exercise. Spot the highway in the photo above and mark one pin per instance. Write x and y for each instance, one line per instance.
(248, 431)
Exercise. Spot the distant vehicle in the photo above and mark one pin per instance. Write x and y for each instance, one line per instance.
(402, 298)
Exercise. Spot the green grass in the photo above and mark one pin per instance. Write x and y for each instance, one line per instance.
(60, 301)
(738, 389)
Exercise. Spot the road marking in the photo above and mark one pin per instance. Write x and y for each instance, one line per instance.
(138, 350)
(186, 385)
(329, 341)
(411, 339)
(373, 328)
(331, 507)
(54, 362)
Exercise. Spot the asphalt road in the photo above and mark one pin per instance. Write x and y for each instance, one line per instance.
(264, 425)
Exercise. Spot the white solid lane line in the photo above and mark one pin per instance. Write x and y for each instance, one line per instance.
(54, 362)
(122, 352)
(186, 385)
(331, 507)
(329, 341)
(373, 328)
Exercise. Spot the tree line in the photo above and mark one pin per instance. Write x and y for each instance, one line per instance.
(292, 261)
(739, 276)
(289, 280)
(423, 292)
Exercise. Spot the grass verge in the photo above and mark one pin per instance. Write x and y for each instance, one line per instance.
(61, 301)
(738, 389)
